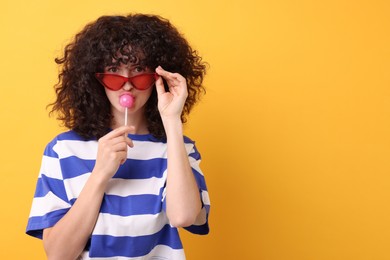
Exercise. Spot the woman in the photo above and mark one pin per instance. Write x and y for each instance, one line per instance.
(106, 189)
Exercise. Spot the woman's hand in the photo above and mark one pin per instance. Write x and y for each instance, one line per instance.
(112, 151)
(171, 103)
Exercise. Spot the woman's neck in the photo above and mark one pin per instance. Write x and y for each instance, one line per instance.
(137, 120)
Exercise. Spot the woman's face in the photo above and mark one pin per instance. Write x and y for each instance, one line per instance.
(140, 97)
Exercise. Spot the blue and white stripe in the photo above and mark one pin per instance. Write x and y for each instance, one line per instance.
(132, 223)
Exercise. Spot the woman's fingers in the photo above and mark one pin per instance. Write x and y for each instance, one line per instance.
(160, 86)
(171, 102)
(112, 150)
(177, 83)
(123, 130)
(119, 135)
(173, 79)
(122, 140)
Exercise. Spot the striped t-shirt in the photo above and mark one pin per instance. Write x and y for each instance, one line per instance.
(132, 222)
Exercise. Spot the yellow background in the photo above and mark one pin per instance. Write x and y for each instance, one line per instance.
(294, 129)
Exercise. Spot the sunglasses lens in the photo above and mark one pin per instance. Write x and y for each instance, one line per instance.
(143, 81)
(112, 81)
(115, 82)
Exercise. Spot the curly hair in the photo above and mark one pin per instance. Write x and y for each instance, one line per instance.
(81, 103)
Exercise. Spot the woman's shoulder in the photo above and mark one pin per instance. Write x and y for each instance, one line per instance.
(71, 135)
(68, 141)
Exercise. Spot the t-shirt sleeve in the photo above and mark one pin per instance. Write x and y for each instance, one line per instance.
(50, 201)
(201, 225)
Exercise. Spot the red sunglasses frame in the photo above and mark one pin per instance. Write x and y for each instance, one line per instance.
(122, 80)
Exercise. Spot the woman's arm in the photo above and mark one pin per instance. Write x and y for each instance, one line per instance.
(67, 239)
(182, 197)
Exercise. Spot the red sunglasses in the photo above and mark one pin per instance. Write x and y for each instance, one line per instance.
(115, 82)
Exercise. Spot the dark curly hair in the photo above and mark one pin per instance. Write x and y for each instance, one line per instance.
(149, 40)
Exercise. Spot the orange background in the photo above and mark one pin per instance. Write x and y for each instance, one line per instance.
(294, 129)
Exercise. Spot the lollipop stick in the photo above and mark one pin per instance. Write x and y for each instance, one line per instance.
(126, 117)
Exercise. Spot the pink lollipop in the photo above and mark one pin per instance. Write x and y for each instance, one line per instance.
(126, 101)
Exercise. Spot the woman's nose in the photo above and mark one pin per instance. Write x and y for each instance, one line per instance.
(127, 86)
